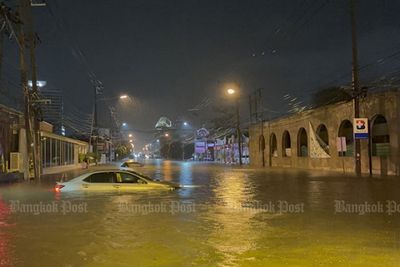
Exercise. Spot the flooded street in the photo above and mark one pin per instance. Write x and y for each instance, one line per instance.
(231, 217)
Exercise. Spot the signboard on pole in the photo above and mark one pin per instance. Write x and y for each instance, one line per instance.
(360, 128)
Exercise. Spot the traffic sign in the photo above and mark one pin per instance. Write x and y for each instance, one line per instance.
(360, 128)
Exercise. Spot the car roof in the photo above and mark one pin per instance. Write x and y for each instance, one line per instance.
(86, 174)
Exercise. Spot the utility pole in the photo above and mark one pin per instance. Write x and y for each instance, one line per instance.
(355, 84)
(27, 18)
(27, 103)
(28, 40)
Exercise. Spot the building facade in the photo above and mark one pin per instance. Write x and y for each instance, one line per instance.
(53, 110)
(323, 138)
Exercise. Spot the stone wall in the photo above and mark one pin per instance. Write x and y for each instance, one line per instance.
(332, 116)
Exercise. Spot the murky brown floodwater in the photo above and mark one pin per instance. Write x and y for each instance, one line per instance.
(232, 219)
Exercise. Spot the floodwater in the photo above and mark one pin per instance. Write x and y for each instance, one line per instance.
(234, 217)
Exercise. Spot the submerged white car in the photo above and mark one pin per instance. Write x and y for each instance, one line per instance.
(113, 180)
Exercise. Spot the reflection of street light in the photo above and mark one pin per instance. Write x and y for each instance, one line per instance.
(231, 91)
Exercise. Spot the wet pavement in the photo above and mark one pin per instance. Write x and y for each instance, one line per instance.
(232, 217)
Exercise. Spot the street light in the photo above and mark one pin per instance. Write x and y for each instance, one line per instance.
(123, 96)
(131, 141)
(166, 134)
(124, 124)
(231, 92)
(185, 123)
(130, 135)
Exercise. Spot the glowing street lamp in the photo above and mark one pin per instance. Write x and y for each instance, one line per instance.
(131, 141)
(231, 91)
(123, 96)
(130, 135)
(124, 124)
(166, 134)
(185, 123)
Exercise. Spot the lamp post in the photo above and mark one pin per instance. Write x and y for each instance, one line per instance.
(95, 132)
(232, 92)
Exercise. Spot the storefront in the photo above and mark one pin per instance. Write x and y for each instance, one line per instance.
(59, 151)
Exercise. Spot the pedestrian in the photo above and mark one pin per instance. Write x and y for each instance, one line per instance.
(86, 160)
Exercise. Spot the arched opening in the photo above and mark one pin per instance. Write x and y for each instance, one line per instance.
(323, 137)
(273, 145)
(380, 136)
(286, 144)
(346, 131)
(302, 143)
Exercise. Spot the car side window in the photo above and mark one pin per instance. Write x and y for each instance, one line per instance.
(127, 178)
(103, 177)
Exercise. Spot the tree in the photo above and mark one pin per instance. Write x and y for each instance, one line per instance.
(330, 95)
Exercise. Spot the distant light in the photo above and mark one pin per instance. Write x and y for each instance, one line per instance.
(130, 135)
(131, 141)
(166, 135)
(123, 97)
(38, 83)
(185, 123)
(230, 91)
(158, 140)
(124, 124)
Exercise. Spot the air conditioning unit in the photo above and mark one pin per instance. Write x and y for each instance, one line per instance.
(16, 162)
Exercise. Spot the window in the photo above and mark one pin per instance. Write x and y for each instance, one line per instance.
(123, 177)
(103, 177)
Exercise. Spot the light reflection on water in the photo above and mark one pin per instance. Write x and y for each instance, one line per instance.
(224, 229)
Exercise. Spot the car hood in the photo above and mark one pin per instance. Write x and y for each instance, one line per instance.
(172, 184)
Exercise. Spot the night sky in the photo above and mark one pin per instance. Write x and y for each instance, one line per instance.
(172, 55)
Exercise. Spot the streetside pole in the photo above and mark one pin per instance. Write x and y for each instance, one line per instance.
(355, 84)
(239, 133)
(24, 84)
(31, 39)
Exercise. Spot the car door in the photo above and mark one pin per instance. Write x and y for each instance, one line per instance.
(129, 181)
(100, 181)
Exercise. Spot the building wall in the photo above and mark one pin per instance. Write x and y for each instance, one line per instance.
(386, 104)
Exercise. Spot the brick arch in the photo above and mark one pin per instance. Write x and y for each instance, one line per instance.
(286, 144)
(302, 143)
(346, 130)
(323, 133)
(273, 145)
(380, 134)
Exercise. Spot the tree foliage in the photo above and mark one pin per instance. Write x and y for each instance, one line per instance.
(330, 95)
